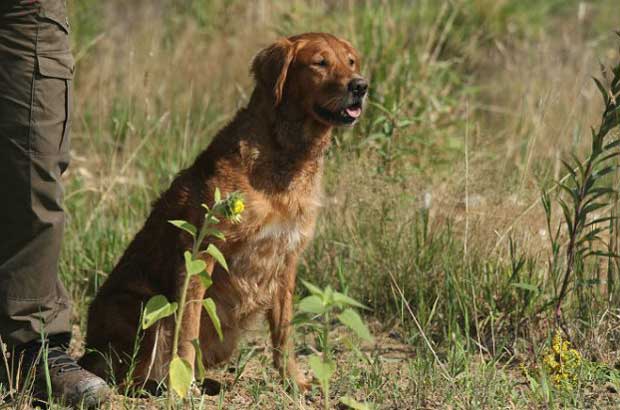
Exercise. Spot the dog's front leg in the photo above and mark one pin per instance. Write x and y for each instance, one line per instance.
(279, 317)
(190, 325)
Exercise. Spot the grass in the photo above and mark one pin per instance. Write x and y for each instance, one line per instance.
(432, 210)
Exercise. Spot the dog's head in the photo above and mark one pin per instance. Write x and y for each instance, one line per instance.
(316, 74)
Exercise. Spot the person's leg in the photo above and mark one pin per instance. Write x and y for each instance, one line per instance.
(35, 78)
(36, 68)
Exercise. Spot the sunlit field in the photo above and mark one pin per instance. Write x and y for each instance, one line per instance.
(432, 214)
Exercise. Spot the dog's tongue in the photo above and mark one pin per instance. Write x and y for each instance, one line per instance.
(354, 112)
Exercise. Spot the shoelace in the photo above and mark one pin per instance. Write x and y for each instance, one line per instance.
(57, 358)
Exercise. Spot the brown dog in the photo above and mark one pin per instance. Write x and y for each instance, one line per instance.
(272, 152)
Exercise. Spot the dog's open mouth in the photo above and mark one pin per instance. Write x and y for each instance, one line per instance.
(345, 116)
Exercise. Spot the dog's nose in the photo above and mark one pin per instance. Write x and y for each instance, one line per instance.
(358, 86)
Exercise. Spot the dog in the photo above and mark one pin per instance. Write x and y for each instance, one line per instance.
(272, 152)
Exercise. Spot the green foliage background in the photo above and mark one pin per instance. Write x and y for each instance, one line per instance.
(472, 105)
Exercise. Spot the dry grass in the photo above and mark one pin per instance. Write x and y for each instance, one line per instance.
(473, 104)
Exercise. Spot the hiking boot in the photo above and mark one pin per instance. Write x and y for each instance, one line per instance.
(70, 383)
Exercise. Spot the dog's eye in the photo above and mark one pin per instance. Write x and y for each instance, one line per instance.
(351, 62)
(321, 63)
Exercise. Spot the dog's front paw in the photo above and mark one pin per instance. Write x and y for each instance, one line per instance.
(303, 383)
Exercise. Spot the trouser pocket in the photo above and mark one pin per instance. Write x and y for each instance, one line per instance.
(56, 11)
(51, 104)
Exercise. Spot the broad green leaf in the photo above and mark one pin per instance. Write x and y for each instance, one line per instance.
(322, 370)
(217, 197)
(526, 286)
(201, 372)
(180, 376)
(193, 266)
(354, 404)
(217, 255)
(186, 226)
(342, 299)
(353, 321)
(216, 233)
(205, 278)
(312, 288)
(328, 296)
(312, 304)
(209, 306)
(211, 219)
(157, 308)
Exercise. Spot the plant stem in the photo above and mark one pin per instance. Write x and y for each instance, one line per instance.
(326, 353)
(177, 328)
(326, 357)
(183, 297)
(574, 236)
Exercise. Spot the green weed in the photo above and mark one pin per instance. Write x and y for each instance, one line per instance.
(181, 373)
(324, 305)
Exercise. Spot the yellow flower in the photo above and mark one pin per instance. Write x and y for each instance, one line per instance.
(233, 207)
(237, 206)
(561, 362)
(549, 361)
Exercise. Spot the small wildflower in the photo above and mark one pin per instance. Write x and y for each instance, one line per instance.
(524, 370)
(237, 206)
(562, 362)
(232, 207)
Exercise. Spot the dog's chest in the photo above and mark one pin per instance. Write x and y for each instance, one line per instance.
(284, 235)
(260, 265)
(265, 253)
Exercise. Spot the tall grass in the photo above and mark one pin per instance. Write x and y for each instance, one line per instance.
(156, 79)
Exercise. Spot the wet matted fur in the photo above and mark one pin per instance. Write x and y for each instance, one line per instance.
(272, 152)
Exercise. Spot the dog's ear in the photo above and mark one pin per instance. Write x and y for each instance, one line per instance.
(270, 67)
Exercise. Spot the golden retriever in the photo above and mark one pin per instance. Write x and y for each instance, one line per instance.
(273, 153)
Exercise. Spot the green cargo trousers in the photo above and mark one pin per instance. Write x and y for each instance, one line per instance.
(36, 69)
